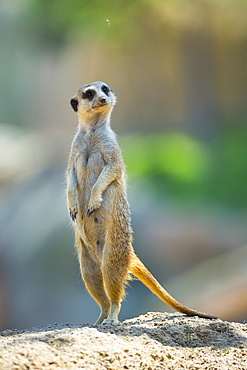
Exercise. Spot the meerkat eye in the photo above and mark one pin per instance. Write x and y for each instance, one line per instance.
(105, 89)
(89, 94)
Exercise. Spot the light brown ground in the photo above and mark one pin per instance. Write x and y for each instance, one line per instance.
(153, 341)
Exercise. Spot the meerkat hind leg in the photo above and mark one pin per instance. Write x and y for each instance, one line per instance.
(115, 276)
(92, 277)
(94, 284)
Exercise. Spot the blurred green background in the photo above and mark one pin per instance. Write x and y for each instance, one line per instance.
(178, 69)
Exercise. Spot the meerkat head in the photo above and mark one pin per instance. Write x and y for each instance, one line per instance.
(93, 100)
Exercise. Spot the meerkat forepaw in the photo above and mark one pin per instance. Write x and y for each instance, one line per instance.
(91, 209)
(93, 205)
(73, 212)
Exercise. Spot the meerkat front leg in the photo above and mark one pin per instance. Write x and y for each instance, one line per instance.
(95, 200)
(107, 176)
(71, 193)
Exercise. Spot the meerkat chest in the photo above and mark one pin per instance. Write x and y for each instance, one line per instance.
(89, 159)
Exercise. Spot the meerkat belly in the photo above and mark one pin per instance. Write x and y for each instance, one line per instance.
(97, 226)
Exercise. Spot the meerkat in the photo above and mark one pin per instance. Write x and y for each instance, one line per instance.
(99, 208)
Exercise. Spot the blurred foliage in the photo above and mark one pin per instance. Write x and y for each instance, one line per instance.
(177, 155)
(53, 23)
(179, 165)
(58, 21)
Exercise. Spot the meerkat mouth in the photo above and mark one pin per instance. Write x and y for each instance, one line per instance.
(99, 106)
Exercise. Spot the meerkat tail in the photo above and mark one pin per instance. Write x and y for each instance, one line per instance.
(138, 269)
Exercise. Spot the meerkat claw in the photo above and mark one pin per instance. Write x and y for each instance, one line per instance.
(90, 212)
(107, 322)
(73, 215)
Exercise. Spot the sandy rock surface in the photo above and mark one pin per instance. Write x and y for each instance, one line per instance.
(153, 341)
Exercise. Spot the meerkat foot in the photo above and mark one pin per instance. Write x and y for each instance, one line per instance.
(110, 322)
(101, 318)
(112, 318)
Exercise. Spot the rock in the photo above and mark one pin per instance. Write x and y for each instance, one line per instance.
(153, 341)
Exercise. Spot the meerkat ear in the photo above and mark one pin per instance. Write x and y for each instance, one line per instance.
(74, 104)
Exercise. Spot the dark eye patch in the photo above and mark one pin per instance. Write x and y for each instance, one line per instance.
(105, 89)
(89, 94)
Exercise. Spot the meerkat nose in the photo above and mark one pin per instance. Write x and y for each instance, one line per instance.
(102, 100)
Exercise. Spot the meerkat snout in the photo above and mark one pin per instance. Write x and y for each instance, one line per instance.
(102, 100)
